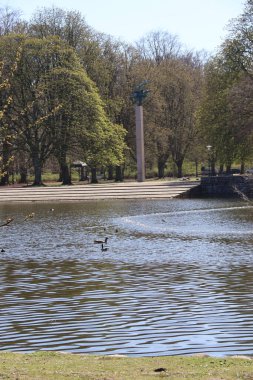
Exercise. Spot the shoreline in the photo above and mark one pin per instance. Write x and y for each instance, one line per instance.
(155, 189)
(49, 365)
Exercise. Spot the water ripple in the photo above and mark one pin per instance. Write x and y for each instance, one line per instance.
(176, 279)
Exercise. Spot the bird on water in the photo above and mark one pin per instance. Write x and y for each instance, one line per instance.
(7, 222)
(29, 216)
(103, 249)
(101, 241)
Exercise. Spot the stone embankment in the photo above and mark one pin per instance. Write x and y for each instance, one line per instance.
(226, 186)
(126, 190)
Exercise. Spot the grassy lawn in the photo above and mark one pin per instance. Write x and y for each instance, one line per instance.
(55, 365)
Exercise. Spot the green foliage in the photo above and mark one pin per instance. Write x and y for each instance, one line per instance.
(226, 113)
(56, 108)
(69, 96)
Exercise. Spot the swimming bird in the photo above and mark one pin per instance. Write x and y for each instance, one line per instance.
(103, 249)
(2, 250)
(7, 222)
(29, 216)
(101, 241)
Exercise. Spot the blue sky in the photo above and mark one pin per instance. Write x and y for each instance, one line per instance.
(199, 24)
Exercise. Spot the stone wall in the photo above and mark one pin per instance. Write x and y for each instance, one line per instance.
(223, 186)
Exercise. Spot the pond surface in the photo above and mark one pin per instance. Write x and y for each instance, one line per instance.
(177, 277)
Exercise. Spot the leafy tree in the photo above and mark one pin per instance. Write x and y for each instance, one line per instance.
(31, 109)
(69, 26)
(82, 123)
(214, 114)
(102, 57)
(7, 72)
(175, 81)
(53, 100)
(241, 117)
(226, 107)
(238, 47)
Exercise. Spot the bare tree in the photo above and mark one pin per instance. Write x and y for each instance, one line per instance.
(10, 21)
(159, 45)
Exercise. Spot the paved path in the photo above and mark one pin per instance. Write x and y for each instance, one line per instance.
(126, 190)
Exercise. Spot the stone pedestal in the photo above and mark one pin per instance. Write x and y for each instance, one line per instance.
(140, 144)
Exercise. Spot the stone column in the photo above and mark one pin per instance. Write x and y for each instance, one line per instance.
(140, 143)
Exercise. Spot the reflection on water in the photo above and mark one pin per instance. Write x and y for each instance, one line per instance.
(176, 279)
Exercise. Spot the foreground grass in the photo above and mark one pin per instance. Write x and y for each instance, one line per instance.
(57, 366)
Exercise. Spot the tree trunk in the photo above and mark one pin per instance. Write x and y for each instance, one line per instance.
(4, 179)
(196, 168)
(5, 164)
(37, 164)
(221, 168)
(66, 175)
(60, 176)
(179, 164)
(213, 168)
(242, 171)
(65, 172)
(119, 175)
(23, 174)
(94, 175)
(228, 168)
(110, 173)
(161, 167)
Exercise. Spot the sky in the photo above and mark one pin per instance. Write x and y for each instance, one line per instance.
(199, 24)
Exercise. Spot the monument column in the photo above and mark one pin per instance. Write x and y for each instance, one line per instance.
(138, 96)
(140, 143)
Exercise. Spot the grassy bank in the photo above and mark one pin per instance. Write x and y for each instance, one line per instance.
(57, 366)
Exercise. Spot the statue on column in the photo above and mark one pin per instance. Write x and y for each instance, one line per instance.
(140, 93)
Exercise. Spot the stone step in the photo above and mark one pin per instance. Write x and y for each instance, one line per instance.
(143, 190)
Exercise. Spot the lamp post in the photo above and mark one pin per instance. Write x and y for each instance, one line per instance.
(209, 147)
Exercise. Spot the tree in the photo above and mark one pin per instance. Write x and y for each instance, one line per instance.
(171, 111)
(238, 47)
(82, 123)
(103, 143)
(10, 21)
(7, 72)
(56, 107)
(175, 81)
(102, 57)
(214, 114)
(226, 107)
(158, 46)
(241, 117)
(69, 26)
(182, 98)
(31, 108)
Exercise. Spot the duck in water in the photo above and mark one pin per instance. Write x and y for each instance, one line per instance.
(7, 222)
(101, 241)
(29, 216)
(103, 249)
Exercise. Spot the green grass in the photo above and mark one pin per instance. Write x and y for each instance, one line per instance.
(58, 366)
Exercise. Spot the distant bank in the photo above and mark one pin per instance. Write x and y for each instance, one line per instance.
(125, 190)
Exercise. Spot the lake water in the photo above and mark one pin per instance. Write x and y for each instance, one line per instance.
(177, 277)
